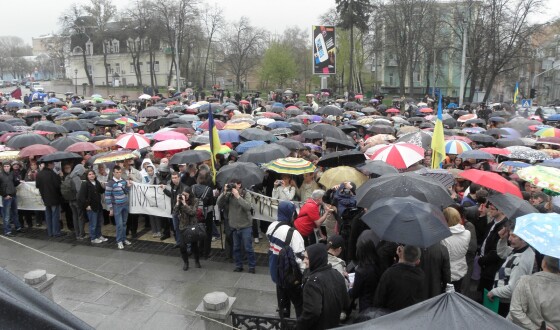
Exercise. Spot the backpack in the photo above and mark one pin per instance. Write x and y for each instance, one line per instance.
(68, 189)
(288, 272)
(202, 207)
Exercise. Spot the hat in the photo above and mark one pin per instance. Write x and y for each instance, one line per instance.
(16, 162)
(163, 168)
(335, 241)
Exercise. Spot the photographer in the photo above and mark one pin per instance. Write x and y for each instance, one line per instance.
(238, 205)
(344, 196)
(185, 210)
(284, 189)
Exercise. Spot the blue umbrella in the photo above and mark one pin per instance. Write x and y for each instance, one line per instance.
(109, 102)
(228, 135)
(541, 231)
(14, 105)
(551, 163)
(279, 124)
(242, 147)
(452, 105)
(512, 133)
(555, 117)
(53, 100)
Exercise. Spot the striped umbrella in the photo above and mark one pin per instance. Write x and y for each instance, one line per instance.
(171, 144)
(455, 147)
(548, 132)
(291, 165)
(133, 141)
(400, 155)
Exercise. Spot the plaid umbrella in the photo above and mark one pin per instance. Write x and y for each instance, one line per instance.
(291, 165)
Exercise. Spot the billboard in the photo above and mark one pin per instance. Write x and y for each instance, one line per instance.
(324, 47)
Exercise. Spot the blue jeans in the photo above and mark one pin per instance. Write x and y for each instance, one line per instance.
(52, 217)
(95, 220)
(243, 236)
(10, 213)
(120, 212)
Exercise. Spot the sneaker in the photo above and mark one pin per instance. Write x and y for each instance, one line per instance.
(257, 240)
(127, 242)
(96, 241)
(103, 239)
(9, 235)
(154, 235)
(120, 245)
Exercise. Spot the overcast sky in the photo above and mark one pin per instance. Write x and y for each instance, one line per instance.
(33, 18)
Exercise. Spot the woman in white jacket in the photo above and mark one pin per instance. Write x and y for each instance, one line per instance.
(457, 245)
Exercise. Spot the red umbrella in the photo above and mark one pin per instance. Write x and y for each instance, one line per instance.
(111, 110)
(393, 110)
(219, 124)
(400, 155)
(155, 97)
(496, 151)
(426, 110)
(270, 115)
(185, 130)
(244, 102)
(83, 147)
(492, 181)
(36, 150)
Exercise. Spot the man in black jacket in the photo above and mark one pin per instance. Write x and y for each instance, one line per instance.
(324, 291)
(48, 184)
(172, 190)
(437, 269)
(8, 184)
(401, 285)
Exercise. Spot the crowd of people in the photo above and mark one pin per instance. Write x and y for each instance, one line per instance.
(323, 258)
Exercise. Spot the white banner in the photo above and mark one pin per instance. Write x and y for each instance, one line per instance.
(149, 199)
(28, 197)
(266, 208)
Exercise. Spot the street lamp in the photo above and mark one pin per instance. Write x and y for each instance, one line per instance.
(75, 81)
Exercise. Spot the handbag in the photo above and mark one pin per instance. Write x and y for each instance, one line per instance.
(194, 233)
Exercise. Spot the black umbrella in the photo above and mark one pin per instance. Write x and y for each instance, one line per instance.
(16, 122)
(329, 130)
(264, 153)
(5, 127)
(249, 174)
(496, 131)
(331, 110)
(291, 144)
(512, 206)
(377, 168)
(342, 158)
(64, 142)
(476, 121)
(475, 154)
(294, 112)
(339, 143)
(407, 220)
(311, 135)
(348, 128)
(350, 105)
(256, 134)
(59, 156)
(381, 129)
(522, 125)
(26, 139)
(368, 110)
(482, 138)
(297, 126)
(151, 112)
(89, 114)
(402, 185)
(157, 124)
(190, 157)
(74, 125)
(105, 123)
(508, 142)
(48, 126)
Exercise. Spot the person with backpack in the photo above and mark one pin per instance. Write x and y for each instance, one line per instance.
(283, 237)
(69, 190)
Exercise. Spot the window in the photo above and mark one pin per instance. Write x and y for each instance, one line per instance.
(89, 48)
(417, 76)
(116, 46)
(149, 66)
(89, 68)
(391, 82)
(117, 68)
(140, 66)
(156, 66)
(131, 68)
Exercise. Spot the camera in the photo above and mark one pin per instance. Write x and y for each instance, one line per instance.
(230, 186)
(278, 182)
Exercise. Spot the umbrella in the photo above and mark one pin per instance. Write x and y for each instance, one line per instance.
(339, 143)
(9, 155)
(496, 131)
(249, 174)
(381, 129)
(331, 110)
(105, 123)
(482, 138)
(377, 167)
(311, 135)
(279, 124)
(400, 155)
(133, 141)
(252, 134)
(526, 153)
(26, 139)
(151, 112)
(329, 130)
(74, 125)
(402, 185)
(466, 117)
(111, 156)
(5, 127)
(48, 126)
(189, 118)
(64, 142)
(337, 175)
(36, 150)
(264, 153)
(106, 143)
(407, 220)
(496, 151)
(541, 231)
(171, 144)
(290, 144)
(126, 121)
(82, 147)
(244, 146)
(291, 165)
(200, 139)
(510, 132)
(217, 123)
(58, 156)
(509, 142)
(475, 154)
(555, 141)
(169, 135)
(340, 158)
(222, 149)
(382, 139)
(456, 147)
(228, 135)
(548, 132)
(190, 157)
(492, 181)
(541, 176)
(473, 130)
(440, 175)
(512, 206)
(510, 166)
(392, 110)
(281, 131)
(419, 138)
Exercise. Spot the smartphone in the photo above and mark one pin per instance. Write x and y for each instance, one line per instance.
(321, 48)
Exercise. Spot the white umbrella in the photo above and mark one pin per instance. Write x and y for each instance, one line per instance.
(171, 145)
(145, 97)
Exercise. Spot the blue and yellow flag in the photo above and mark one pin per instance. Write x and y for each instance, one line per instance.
(438, 140)
(516, 93)
(214, 141)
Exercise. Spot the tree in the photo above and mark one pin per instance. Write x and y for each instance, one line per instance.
(213, 19)
(353, 14)
(242, 48)
(296, 40)
(11, 51)
(278, 66)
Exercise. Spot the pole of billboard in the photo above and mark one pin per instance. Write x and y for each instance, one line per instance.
(324, 81)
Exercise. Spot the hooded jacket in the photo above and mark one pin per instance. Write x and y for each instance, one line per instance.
(143, 172)
(76, 176)
(277, 240)
(457, 245)
(324, 292)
